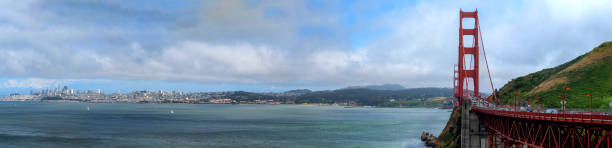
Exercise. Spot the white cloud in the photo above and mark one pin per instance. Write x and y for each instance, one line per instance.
(197, 61)
(520, 38)
(36, 83)
(233, 42)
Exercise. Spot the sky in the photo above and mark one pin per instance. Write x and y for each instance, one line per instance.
(273, 46)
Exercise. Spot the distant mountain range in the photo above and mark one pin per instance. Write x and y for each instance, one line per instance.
(387, 95)
(298, 91)
(588, 73)
(379, 87)
(373, 97)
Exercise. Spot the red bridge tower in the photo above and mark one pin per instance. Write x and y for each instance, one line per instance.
(484, 124)
(467, 70)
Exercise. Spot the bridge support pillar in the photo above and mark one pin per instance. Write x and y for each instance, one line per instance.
(473, 133)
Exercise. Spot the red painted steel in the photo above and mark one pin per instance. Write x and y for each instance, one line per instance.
(535, 129)
(484, 54)
(517, 127)
(464, 72)
(565, 117)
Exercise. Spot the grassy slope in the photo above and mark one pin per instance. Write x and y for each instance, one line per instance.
(591, 72)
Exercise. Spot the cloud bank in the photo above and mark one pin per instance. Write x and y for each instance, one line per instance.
(324, 43)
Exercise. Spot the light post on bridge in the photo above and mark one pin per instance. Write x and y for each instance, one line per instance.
(515, 100)
(541, 103)
(563, 97)
(590, 103)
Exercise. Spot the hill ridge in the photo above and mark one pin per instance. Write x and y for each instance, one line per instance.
(591, 72)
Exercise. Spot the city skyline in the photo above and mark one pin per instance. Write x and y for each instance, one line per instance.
(272, 46)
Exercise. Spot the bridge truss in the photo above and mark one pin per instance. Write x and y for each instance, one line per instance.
(534, 129)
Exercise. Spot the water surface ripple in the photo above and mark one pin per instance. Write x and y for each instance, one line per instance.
(35, 124)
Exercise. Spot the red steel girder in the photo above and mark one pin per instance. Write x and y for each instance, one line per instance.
(545, 133)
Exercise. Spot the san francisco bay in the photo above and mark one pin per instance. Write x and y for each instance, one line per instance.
(37, 124)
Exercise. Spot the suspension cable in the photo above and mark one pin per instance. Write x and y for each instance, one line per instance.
(487, 63)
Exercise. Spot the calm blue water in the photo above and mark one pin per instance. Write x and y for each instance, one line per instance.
(34, 124)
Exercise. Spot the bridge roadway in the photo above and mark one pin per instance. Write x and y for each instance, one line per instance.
(568, 117)
(509, 127)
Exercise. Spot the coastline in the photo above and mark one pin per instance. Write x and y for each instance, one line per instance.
(303, 104)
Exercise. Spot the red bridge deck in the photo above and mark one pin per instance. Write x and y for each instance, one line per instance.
(537, 129)
(581, 117)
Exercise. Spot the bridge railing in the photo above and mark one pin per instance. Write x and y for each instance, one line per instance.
(578, 117)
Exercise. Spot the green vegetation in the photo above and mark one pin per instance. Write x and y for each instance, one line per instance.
(382, 98)
(451, 135)
(249, 96)
(589, 73)
(416, 97)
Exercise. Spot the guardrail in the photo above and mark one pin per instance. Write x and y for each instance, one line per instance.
(578, 117)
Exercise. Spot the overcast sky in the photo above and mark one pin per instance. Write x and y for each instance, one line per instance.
(260, 45)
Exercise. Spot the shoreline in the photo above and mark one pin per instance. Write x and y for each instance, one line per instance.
(306, 104)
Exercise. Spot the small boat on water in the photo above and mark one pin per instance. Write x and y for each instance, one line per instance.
(171, 111)
(88, 108)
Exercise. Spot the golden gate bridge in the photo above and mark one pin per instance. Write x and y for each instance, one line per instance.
(484, 123)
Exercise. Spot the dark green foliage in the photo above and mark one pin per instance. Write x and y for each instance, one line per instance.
(450, 136)
(418, 97)
(371, 97)
(249, 96)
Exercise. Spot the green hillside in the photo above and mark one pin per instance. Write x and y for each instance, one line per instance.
(371, 97)
(591, 72)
